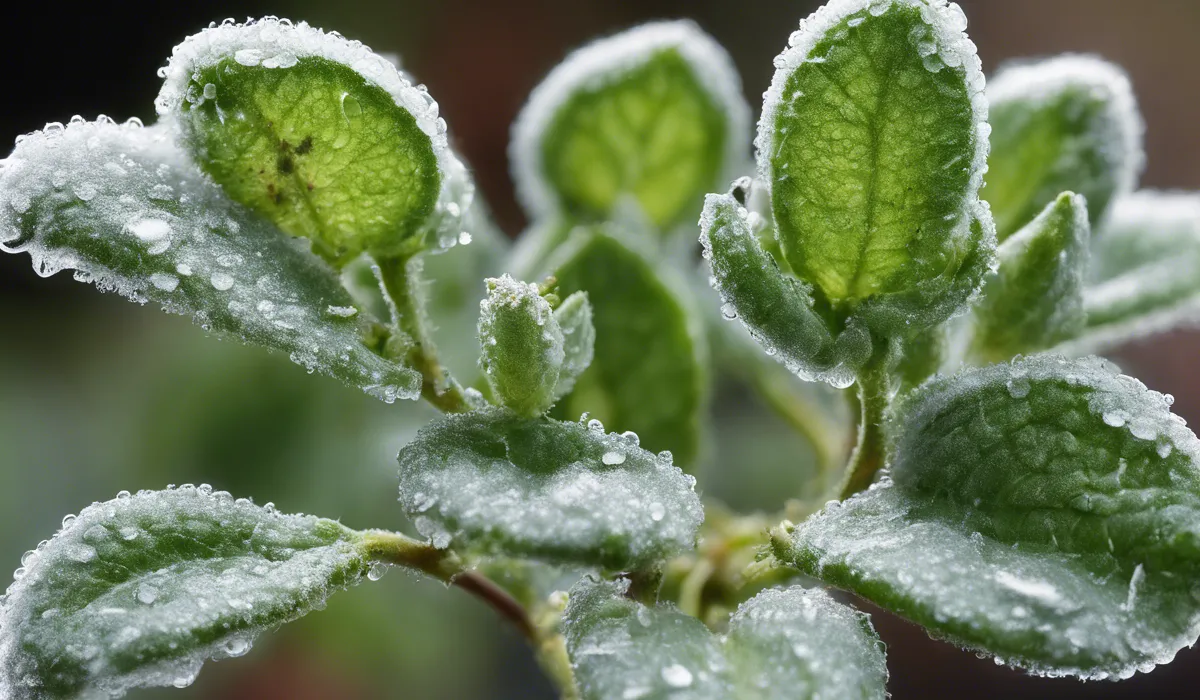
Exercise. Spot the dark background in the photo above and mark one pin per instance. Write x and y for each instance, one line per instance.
(98, 395)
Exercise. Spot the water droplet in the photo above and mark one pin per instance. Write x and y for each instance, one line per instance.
(377, 571)
(351, 109)
(147, 594)
(165, 282)
(221, 281)
(612, 458)
(677, 676)
(657, 511)
(237, 647)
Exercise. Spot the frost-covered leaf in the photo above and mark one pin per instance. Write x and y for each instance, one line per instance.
(793, 644)
(1064, 124)
(650, 372)
(776, 308)
(1046, 512)
(495, 482)
(141, 590)
(1035, 300)
(873, 141)
(574, 316)
(123, 206)
(522, 345)
(319, 134)
(1144, 275)
(652, 117)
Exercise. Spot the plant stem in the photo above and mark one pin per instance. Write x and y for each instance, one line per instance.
(808, 419)
(548, 645)
(868, 456)
(444, 565)
(401, 277)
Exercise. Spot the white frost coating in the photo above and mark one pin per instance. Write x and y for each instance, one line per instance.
(782, 644)
(195, 252)
(801, 643)
(604, 61)
(1143, 275)
(195, 564)
(945, 45)
(1034, 81)
(277, 43)
(1144, 413)
(491, 481)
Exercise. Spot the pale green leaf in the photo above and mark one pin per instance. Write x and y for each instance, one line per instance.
(1063, 124)
(494, 482)
(650, 372)
(521, 345)
(141, 590)
(574, 316)
(1046, 512)
(777, 309)
(1144, 270)
(650, 118)
(793, 644)
(320, 135)
(873, 142)
(1035, 299)
(124, 207)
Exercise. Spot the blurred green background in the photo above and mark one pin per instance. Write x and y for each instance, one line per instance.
(98, 395)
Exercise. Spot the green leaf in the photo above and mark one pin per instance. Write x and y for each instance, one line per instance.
(574, 317)
(1143, 276)
(873, 141)
(777, 310)
(649, 374)
(791, 643)
(320, 135)
(651, 118)
(522, 345)
(1046, 512)
(1066, 123)
(494, 482)
(1035, 300)
(141, 590)
(124, 207)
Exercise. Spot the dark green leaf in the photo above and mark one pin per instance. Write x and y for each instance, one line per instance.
(873, 141)
(1144, 269)
(652, 117)
(1035, 300)
(522, 346)
(649, 374)
(141, 590)
(495, 482)
(1046, 512)
(1063, 124)
(124, 207)
(789, 643)
(320, 135)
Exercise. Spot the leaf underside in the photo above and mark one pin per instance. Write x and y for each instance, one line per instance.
(124, 207)
(871, 144)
